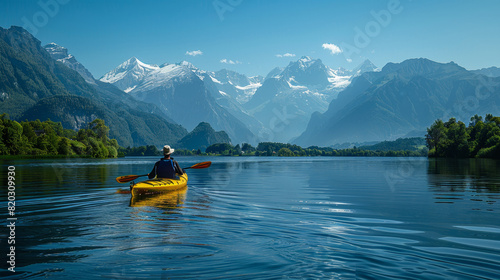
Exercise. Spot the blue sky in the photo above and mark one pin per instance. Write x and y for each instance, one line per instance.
(253, 33)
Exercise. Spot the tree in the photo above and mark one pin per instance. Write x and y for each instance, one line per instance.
(12, 137)
(285, 152)
(247, 148)
(474, 120)
(100, 129)
(237, 150)
(220, 148)
(64, 147)
(453, 139)
(457, 137)
(435, 137)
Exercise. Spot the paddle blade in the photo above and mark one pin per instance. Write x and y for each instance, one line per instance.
(200, 165)
(128, 178)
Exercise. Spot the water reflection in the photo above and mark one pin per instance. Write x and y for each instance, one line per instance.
(475, 180)
(169, 200)
(261, 218)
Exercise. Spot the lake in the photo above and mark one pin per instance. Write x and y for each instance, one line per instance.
(257, 218)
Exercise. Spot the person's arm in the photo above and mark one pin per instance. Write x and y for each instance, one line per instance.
(152, 174)
(178, 169)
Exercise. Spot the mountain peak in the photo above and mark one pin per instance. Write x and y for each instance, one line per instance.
(366, 66)
(61, 54)
(133, 59)
(187, 64)
(128, 73)
(367, 63)
(305, 58)
(307, 71)
(135, 62)
(53, 45)
(21, 30)
(56, 52)
(274, 73)
(202, 136)
(306, 61)
(421, 66)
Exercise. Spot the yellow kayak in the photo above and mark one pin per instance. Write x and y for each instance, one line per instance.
(158, 185)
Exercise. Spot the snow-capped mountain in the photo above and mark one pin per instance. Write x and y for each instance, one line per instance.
(128, 74)
(287, 98)
(61, 54)
(238, 86)
(313, 74)
(180, 90)
(277, 108)
(401, 99)
(230, 91)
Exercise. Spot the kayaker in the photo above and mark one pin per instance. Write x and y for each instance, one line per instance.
(166, 167)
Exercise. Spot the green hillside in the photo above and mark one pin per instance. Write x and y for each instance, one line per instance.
(203, 136)
(35, 86)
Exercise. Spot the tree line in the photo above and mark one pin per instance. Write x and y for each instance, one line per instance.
(444, 139)
(453, 139)
(291, 150)
(48, 138)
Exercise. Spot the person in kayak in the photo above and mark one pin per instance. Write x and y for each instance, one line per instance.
(166, 167)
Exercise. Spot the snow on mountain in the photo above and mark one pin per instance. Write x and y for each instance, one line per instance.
(305, 62)
(288, 97)
(182, 91)
(61, 54)
(256, 79)
(163, 76)
(400, 99)
(339, 78)
(238, 86)
(128, 74)
(274, 73)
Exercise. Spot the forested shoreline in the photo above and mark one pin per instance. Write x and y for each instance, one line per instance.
(50, 139)
(453, 139)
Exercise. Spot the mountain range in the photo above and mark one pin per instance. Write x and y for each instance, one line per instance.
(35, 84)
(401, 99)
(288, 97)
(249, 109)
(180, 93)
(306, 102)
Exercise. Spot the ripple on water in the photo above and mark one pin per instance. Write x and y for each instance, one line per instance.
(481, 229)
(475, 242)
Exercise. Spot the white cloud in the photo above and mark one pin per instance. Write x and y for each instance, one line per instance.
(349, 60)
(194, 53)
(332, 48)
(229, 61)
(286, 55)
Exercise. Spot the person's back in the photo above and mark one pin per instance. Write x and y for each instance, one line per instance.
(166, 167)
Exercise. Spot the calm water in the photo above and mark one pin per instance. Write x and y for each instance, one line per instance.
(258, 218)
